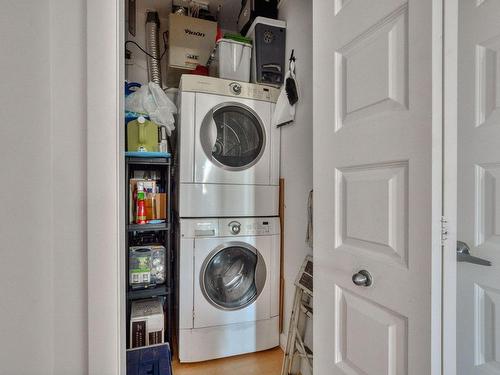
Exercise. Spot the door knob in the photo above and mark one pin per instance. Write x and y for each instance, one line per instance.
(362, 278)
(463, 255)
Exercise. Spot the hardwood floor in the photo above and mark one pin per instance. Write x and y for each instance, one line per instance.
(262, 363)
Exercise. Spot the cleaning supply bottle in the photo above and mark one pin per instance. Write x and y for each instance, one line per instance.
(140, 204)
(142, 135)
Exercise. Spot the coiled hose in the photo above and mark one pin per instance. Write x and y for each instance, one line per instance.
(153, 47)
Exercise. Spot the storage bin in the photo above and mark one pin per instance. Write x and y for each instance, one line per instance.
(232, 60)
(268, 54)
(152, 360)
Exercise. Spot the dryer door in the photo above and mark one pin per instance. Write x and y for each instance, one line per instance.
(233, 136)
(234, 140)
(233, 276)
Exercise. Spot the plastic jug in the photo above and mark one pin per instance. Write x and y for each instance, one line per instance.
(142, 135)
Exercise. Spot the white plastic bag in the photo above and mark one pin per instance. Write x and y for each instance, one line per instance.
(150, 99)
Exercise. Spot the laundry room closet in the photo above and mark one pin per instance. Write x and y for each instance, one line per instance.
(217, 179)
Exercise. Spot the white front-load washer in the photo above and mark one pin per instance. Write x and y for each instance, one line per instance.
(228, 287)
(228, 151)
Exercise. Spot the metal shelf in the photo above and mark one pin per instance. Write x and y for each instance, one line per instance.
(163, 230)
(159, 291)
(148, 161)
(147, 227)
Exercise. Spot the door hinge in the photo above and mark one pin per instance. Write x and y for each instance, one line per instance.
(444, 230)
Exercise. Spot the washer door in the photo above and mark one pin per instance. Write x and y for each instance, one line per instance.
(233, 276)
(232, 136)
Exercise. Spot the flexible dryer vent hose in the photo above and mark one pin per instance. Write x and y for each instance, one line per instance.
(153, 47)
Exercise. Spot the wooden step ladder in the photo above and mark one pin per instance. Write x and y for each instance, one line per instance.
(295, 346)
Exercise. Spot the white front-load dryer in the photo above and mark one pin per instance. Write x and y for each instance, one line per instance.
(228, 287)
(228, 151)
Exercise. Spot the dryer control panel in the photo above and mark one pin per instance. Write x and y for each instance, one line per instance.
(226, 87)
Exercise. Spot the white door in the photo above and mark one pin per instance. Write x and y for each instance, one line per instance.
(373, 187)
(478, 293)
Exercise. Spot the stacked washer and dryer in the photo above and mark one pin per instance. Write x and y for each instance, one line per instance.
(229, 238)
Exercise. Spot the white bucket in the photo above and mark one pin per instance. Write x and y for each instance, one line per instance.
(232, 60)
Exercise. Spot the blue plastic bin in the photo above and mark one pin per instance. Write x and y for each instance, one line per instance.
(149, 360)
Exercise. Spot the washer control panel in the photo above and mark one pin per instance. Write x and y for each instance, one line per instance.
(229, 227)
(248, 226)
(199, 228)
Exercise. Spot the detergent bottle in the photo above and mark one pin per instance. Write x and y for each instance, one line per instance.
(142, 135)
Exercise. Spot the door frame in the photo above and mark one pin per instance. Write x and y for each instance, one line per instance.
(105, 188)
(450, 182)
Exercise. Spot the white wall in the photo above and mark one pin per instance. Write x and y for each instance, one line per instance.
(26, 304)
(43, 299)
(68, 91)
(296, 146)
(137, 67)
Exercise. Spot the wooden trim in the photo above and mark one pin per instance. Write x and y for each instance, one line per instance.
(282, 250)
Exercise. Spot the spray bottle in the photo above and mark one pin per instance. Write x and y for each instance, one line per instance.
(140, 204)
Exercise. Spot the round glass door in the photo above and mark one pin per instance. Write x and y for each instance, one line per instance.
(233, 276)
(232, 136)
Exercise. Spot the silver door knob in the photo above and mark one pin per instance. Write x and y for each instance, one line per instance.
(463, 255)
(362, 278)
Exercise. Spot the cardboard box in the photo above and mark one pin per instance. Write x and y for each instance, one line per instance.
(161, 206)
(150, 206)
(147, 323)
(190, 43)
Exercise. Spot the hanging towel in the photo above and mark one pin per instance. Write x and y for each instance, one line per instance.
(284, 112)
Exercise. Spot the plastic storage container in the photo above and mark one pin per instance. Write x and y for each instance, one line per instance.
(147, 265)
(232, 60)
(268, 57)
(151, 360)
(147, 323)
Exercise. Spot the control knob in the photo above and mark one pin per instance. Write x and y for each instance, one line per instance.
(235, 227)
(235, 88)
